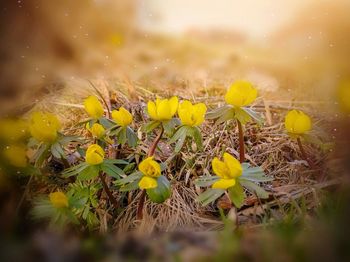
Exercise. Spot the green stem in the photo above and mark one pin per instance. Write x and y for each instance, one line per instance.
(241, 142)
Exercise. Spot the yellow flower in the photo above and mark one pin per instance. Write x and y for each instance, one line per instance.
(191, 115)
(343, 96)
(297, 122)
(228, 170)
(162, 109)
(241, 93)
(13, 129)
(94, 155)
(16, 155)
(93, 107)
(122, 117)
(96, 130)
(44, 126)
(58, 199)
(150, 170)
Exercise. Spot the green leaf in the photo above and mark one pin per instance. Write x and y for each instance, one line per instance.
(57, 151)
(170, 125)
(150, 126)
(197, 136)
(72, 171)
(206, 181)
(255, 174)
(41, 154)
(64, 140)
(179, 133)
(121, 136)
(116, 161)
(242, 116)
(228, 115)
(90, 172)
(161, 192)
(210, 195)
(131, 186)
(180, 143)
(131, 137)
(216, 113)
(237, 195)
(256, 116)
(254, 188)
(112, 170)
(106, 123)
(129, 178)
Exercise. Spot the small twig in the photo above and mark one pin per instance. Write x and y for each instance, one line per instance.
(108, 192)
(241, 142)
(308, 160)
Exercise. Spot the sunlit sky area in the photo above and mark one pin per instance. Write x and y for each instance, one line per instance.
(257, 18)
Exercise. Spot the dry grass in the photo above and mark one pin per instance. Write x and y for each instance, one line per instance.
(267, 146)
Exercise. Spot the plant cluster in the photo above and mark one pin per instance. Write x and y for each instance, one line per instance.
(28, 145)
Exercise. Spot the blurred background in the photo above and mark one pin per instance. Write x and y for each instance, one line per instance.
(285, 47)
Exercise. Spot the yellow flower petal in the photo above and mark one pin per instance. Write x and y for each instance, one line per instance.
(58, 199)
(93, 107)
(44, 126)
(297, 122)
(13, 129)
(16, 155)
(162, 109)
(122, 117)
(241, 93)
(191, 115)
(152, 110)
(220, 168)
(148, 182)
(94, 155)
(224, 183)
(149, 167)
(96, 130)
(173, 104)
(233, 164)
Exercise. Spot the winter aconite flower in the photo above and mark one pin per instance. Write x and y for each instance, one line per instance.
(297, 122)
(150, 170)
(162, 109)
(94, 155)
(241, 93)
(13, 129)
(191, 115)
(16, 155)
(93, 107)
(96, 130)
(44, 126)
(227, 170)
(58, 199)
(122, 117)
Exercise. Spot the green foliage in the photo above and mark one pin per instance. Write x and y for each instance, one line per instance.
(248, 180)
(161, 192)
(182, 133)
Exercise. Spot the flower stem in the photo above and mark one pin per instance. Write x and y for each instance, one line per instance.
(306, 158)
(139, 214)
(241, 142)
(108, 192)
(153, 147)
(151, 151)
